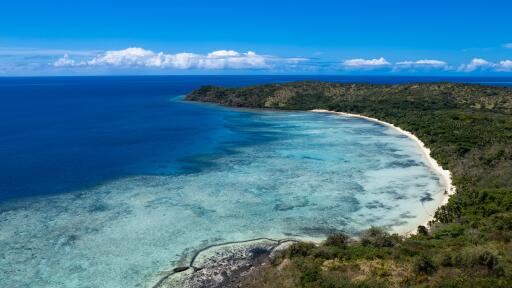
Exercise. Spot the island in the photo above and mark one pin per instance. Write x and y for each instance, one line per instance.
(467, 127)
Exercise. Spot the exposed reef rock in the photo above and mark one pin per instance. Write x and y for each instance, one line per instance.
(223, 265)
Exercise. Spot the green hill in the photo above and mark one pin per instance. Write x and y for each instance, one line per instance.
(469, 130)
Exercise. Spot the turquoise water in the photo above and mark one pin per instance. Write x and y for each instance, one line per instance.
(113, 181)
(297, 175)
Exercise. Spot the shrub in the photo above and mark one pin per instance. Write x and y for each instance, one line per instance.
(449, 231)
(334, 281)
(423, 265)
(327, 252)
(488, 259)
(422, 230)
(310, 273)
(478, 256)
(331, 280)
(377, 237)
(502, 221)
(338, 240)
(300, 249)
(444, 259)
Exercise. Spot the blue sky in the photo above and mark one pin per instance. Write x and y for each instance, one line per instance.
(261, 37)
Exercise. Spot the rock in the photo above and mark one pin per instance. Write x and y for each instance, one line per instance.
(180, 269)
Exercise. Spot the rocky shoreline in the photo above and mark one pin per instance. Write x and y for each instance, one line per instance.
(224, 265)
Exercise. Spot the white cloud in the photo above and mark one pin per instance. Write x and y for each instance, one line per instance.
(126, 57)
(365, 63)
(135, 57)
(424, 62)
(64, 61)
(508, 45)
(479, 64)
(139, 57)
(505, 66)
(476, 64)
(224, 53)
(383, 63)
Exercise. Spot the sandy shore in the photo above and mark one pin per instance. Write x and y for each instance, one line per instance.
(230, 268)
(444, 175)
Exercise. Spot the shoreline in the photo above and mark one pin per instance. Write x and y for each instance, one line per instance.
(223, 265)
(229, 273)
(445, 175)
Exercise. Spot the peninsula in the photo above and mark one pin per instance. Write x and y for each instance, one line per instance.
(468, 129)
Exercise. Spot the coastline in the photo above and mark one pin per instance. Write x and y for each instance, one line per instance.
(464, 129)
(445, 175)
(243, 262)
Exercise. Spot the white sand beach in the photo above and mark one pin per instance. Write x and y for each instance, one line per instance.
(444, 175)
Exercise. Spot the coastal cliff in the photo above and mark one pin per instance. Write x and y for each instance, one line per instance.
(468, 242)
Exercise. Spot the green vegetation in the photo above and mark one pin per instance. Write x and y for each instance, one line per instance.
(469, 131)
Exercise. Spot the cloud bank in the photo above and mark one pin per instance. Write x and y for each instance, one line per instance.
(479, 64)
(133, 59)
(425, 63)
(216, 60)
(475, 65)
(382, 63)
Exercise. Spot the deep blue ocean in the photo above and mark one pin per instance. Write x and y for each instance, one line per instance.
(65, 133)
(112, 181)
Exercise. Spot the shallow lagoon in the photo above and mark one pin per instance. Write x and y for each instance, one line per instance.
(273, 174)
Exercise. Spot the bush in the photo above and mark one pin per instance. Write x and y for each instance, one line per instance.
(300, 249)
(488, 259)
(423, 265)
(444, 259)
(327, 252)
(478, 256)
(377, 237)
(449, 231)
(310, 273)
(338, 240)
(333, 280)
(422, 230)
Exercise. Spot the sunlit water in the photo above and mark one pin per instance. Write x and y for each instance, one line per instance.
(313, 175)
(206, 175)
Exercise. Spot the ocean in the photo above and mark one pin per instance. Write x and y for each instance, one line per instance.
(107, 181)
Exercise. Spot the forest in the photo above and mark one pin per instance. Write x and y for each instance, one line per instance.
(468, 128)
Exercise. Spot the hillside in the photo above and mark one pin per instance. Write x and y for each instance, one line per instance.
(469, 130)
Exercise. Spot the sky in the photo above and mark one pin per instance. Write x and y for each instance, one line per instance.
(392, 37)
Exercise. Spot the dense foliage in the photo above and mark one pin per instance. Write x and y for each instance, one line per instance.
(469, 130)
